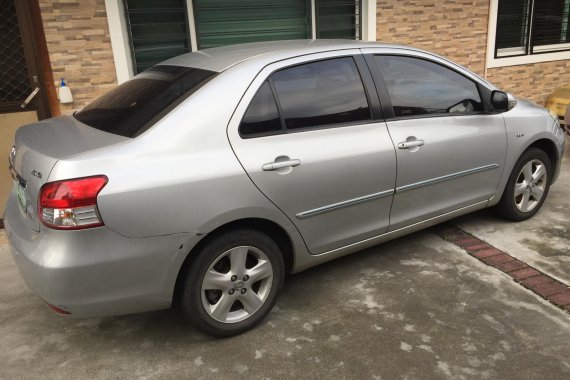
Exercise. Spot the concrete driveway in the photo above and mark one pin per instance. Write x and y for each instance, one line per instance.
(417, 307)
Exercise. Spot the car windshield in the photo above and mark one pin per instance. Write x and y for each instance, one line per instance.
(137, 104)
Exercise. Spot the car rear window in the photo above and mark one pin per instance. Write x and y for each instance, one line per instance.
(137, 104)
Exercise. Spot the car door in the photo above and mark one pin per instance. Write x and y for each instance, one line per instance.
(310, 136)
(450, 148)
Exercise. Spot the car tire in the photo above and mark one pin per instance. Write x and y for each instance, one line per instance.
(232, 283)
(527, 187)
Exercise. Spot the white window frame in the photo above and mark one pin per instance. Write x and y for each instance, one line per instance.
(513, 61)
(119, 34)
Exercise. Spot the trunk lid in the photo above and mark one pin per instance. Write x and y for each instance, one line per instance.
(39, 146)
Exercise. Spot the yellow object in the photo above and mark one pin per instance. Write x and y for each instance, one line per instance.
(558, 101)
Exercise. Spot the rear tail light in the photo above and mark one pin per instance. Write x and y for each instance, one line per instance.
(71, 204)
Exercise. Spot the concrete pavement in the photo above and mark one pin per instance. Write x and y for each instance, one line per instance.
(542, 241)
(417, 307)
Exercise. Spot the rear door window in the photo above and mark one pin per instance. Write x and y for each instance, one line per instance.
(134, 106)
(262, 116)
(322, 93)
(418, 87)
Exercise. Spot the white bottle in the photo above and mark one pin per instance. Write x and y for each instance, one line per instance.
(64, 93)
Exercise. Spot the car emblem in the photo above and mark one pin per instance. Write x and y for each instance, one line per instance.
(37, 174)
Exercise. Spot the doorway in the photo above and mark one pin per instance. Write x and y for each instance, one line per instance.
(27, 92)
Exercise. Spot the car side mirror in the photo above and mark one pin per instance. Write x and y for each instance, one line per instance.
(500, 101)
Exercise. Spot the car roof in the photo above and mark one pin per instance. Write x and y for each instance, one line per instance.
(222, 58)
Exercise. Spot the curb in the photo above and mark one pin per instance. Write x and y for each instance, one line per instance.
(531, 278)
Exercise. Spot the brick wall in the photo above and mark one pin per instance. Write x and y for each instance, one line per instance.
(455, 29)
(77, 36)
(78, 41)
(534, 82)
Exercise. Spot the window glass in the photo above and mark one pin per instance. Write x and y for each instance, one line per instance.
(550, 25)
(532, 26)
(134, 106)
(338, 19)
(513, 21)
(321, 93)
(262, 115)
(418, 87)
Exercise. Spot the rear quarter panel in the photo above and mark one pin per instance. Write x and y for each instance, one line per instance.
(181, 175)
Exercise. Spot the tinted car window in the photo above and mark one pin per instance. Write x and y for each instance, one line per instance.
(262, 115)
(137, 104)
(419, 87)
(321, 93)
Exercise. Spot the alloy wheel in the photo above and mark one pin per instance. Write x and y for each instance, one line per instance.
(237, 284)
(530, 185)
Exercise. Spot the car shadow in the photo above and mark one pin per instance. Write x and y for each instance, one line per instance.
(168, 326)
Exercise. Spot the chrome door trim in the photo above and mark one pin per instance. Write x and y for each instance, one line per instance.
(444, 178)
(350, 202)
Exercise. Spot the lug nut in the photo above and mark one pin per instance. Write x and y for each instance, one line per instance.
(243, 290)
(234, 277)
(246, 277)
(231, 291)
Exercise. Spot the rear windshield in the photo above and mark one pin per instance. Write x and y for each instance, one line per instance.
(136, 105)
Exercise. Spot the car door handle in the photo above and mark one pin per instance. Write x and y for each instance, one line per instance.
(280, 165)
(410, 144)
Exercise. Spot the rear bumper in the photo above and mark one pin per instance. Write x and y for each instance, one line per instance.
(95, 272)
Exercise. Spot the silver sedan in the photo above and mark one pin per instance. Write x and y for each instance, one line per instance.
(205, 179)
